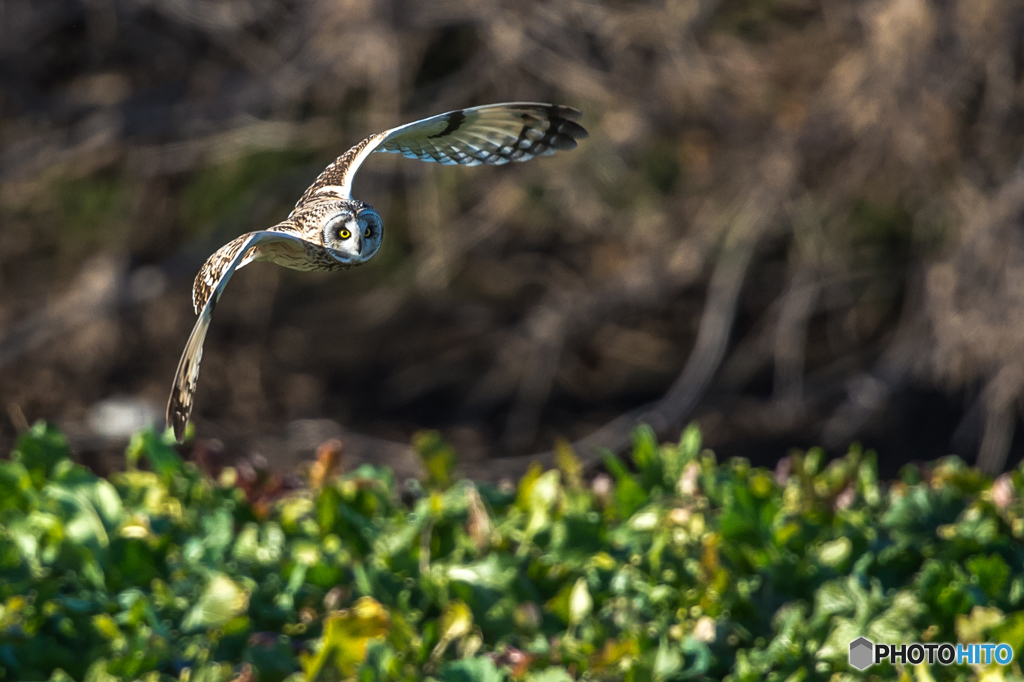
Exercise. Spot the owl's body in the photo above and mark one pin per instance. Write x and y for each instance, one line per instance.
(329, 230)
(307, 255)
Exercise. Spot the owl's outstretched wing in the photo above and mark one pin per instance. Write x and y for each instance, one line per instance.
(492, 134)
(209, 286)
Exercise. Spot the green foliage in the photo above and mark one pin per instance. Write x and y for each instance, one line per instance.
(438, 458)
(678, 568)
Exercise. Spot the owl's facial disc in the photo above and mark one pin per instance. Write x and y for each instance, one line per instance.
(353, 236)
(343, 238)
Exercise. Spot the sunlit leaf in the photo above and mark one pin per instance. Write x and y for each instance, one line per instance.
(580, 602)
(495, 572)
(835, 552)
(455, 622)
(668, 660)
(346, 636)
(222, 600)
(975, 626)
(98, 672)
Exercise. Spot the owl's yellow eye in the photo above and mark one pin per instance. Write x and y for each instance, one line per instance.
(368, 232)
(344, 234)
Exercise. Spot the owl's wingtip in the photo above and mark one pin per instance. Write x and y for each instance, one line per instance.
(578, 131)
(566, 132)
(176, 419)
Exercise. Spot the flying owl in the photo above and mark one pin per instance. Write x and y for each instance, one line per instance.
(329, 230)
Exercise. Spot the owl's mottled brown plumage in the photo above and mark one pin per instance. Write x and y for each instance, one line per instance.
(328, 230)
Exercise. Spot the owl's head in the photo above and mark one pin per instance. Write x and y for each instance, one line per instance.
(352, 232)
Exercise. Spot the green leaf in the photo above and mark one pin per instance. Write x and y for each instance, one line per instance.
(990, 573)
(480, 669)
(211, 672)
(541, 497)
(438, 458)
(835, 597)
(82, 523)
(1011, 631)
(17, 491)
(629, 495)
(896, 624)
(646, 455)
(163, 458)
(552, 674)
(222, 600)
(98, 672)
(40, 450)
(496, 572)
(59, 675)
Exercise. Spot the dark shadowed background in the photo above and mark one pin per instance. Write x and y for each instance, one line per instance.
(798, 222)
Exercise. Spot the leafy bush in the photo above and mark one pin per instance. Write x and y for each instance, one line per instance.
(673, 568)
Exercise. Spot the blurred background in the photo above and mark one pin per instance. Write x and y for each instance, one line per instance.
(797, 222)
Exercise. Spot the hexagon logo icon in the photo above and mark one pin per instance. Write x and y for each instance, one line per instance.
(862, 653)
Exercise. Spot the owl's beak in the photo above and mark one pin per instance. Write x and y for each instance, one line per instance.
(354, 247)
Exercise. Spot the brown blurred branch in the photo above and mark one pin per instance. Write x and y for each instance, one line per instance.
(791, 335)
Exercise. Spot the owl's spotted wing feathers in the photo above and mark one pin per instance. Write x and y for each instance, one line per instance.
(493, 134)
(215, 267)
(209, 286)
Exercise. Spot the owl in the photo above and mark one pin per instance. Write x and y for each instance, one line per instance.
(329, 230)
